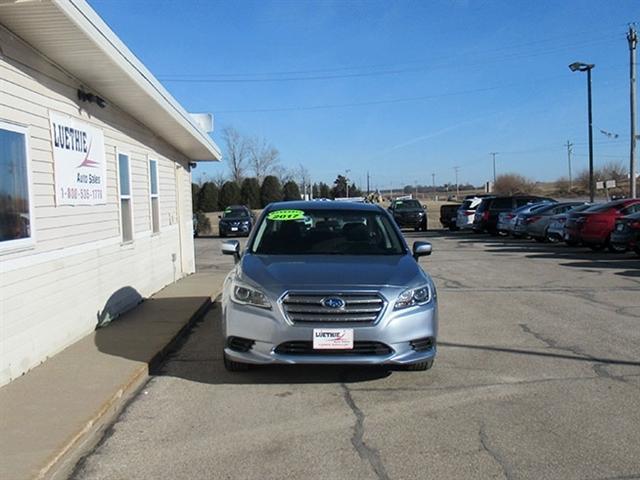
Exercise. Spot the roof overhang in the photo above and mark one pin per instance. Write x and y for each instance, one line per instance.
(74, 37)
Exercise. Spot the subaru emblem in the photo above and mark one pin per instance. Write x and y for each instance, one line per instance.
(333, 303)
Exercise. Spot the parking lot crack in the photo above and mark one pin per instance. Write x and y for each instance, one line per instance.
(495, 454)
(367, 453)
(602, 372)
(551, 343)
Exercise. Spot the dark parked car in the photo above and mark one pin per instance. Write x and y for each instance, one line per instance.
(626, 233)
(236, 220)
(486, 217)
(409, 214)
(449, 215)
(595, 225)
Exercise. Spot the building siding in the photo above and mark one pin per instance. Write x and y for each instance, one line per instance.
(53, 293)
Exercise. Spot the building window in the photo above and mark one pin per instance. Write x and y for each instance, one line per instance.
(126, 215)
(16, 212)
(153, 193)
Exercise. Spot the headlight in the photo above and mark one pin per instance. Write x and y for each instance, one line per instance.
(413, 296)
(249, 296)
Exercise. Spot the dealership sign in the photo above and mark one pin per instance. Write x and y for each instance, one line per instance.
(80, 166)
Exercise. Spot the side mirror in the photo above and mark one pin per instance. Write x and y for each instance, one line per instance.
(231, 247)
(421, 249)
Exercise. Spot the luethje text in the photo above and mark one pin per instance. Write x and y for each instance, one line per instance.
(69, 138)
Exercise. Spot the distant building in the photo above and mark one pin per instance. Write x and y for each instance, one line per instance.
(95, 179)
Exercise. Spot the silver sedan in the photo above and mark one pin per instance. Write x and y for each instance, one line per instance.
(328, 283)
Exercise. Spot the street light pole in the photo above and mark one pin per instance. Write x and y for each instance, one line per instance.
(347, 178)
(587, 67)
(591, 183)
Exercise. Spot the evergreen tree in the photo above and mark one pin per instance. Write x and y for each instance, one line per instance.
(229, 195)
(315, 190)
(325, 191)
(195, 193)
(250, 193)
(208, 198)
(290, 191)
(271, 191)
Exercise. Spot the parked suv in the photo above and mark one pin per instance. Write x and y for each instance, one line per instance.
(466, 211)
(486, 217)
(409, 214)
(235, 220)
(328, 283)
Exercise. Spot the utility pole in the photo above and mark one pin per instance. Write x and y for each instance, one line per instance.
(493, 154)
(569, 151)
(632, 37)
(457, 188)
(368, 179)
(433, 180)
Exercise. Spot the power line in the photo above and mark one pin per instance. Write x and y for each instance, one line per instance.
(274, 77)
(388, 101)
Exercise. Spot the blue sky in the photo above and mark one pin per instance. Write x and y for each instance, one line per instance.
(399, 89)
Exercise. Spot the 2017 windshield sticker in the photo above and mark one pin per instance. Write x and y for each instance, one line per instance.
(284, 215)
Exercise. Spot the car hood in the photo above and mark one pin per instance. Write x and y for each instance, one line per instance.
(291, 271)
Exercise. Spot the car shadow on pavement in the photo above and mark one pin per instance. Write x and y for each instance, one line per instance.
(197, 357)
(581, 257)
(537, 353)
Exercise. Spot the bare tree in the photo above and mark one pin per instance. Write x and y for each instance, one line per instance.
(512, 184)
(263, 157)
(237, 153)
(219, 179)
(303, 178)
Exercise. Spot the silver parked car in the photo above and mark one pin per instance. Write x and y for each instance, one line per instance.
(328, 283)
(537, 222)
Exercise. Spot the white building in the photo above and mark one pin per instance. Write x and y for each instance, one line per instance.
(95, 181)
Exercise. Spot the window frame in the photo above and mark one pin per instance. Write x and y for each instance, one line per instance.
(152, 196)
(29, 242)
(125, 197)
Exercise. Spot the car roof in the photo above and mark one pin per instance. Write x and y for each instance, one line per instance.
(309, 205)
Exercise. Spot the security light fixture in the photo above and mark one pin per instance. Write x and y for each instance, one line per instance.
(581, 67)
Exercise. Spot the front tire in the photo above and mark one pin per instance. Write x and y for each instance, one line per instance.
(233, 366)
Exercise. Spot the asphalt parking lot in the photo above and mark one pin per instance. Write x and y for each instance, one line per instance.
(537, 376)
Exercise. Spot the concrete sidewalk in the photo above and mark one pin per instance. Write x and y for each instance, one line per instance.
(52, 414)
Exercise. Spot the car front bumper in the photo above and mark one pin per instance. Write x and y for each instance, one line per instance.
(235, 229)
(409, 222)
(268, 329)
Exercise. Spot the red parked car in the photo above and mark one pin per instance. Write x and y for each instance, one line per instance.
(594, 226)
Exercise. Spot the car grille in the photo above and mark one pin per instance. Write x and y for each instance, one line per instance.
(359, 348)
(308, 308)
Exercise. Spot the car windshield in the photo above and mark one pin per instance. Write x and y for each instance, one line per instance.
(466, 204)
(407, 205)
(235, 213)
(326, 232)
